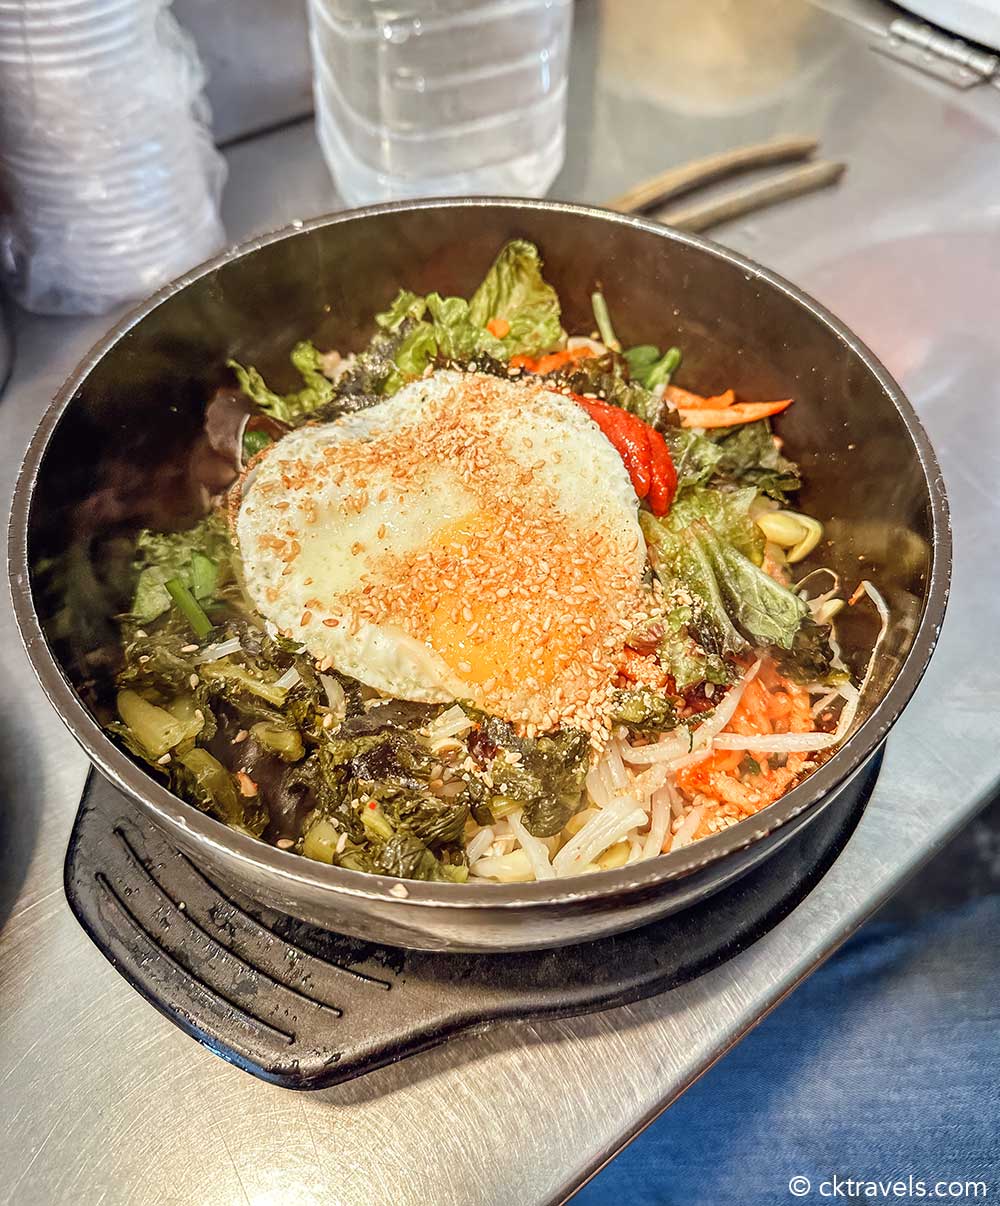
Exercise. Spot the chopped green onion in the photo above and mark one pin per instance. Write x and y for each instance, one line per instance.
(602, 317)
(254, 442)
(664, 369)
(204, 576)
(641, 359)
(189, 607)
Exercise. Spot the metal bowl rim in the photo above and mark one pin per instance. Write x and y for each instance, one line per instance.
(298, 872)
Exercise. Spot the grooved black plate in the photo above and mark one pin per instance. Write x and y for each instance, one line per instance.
(306, 1008)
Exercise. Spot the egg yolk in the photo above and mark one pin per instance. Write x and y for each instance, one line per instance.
(484, 634)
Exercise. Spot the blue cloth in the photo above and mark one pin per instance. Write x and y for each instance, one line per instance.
(885, 1062)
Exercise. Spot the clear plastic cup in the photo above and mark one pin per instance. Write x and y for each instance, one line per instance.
(435, 97)
(110, 175)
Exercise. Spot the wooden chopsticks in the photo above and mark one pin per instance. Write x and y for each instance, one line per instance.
(699, 215)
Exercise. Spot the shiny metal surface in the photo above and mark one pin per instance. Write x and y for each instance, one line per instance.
(767, 339)
(104, 1100)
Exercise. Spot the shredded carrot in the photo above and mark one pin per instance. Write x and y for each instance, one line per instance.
(771, 703)
(551, 360)
(499, 327)
(683, 399)
(732, 415)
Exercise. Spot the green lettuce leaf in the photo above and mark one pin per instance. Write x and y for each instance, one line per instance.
(694, 457)
(405, 305)
(199, 557)
(687, 576)
(769, 613)
(451, 328)
(727, 513)
(684, 657)
(750, 457)
(458, 336)
(317, 389)
(515, 290)
(417, 349)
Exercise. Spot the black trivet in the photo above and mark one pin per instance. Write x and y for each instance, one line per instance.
(305, 1008)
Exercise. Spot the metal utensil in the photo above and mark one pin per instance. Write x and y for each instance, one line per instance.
(699, 215)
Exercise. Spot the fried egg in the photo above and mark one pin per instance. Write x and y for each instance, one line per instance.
(470, 538)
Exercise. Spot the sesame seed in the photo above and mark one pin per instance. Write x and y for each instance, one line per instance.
(193, 681)
(164, 760)
(189, 648)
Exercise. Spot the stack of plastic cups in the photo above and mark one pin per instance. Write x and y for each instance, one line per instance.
(110, 177)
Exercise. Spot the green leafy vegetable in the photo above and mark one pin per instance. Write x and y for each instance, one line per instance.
(546, 781)
(189, 607)
(681, 653)
(416, 350)
(405, 305)
(810, 658)
(695, 458)
(727, 512)
(201, 778)
(317, 389)
(515, 290)
(644, 711)
(649, 368)
(254, 442)
(605, 376)
(766, 611)
(663, 369)
(750, 457)
(406, 857)
(684, 569)
(459, 336)
(641, 359)
(184, 556)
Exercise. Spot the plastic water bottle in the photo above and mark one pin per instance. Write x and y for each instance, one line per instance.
(440, 97)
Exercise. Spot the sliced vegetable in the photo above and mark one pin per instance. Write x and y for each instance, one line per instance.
(278, 739)
(751, 456)
(738, 412)
(602, 316)
(189, 607)
(156, 729)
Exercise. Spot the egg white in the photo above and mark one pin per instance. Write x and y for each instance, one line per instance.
(570, 463)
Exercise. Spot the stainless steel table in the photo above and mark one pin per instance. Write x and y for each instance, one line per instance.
(104, 1101)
